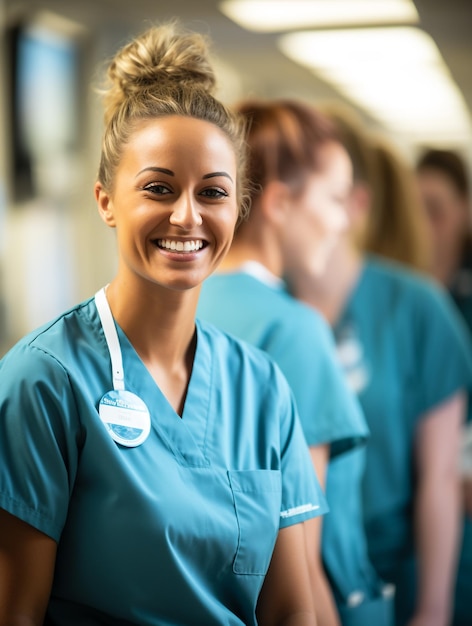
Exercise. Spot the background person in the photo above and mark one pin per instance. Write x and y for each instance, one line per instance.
(443, 183)
(300, 178)
(394, 330)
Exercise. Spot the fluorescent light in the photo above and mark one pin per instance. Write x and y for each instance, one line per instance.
(279, 15)
(396, 74)
(380, 46)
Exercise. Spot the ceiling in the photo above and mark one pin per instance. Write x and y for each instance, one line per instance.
(251, 62)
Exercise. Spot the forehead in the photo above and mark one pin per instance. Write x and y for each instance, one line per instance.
(179, 141)
(333, 160)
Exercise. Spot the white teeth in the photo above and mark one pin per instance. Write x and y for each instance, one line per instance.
(180, 246)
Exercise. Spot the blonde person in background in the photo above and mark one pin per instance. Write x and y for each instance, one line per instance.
(153, 469)
(405, 354)
(444, 186)
(395, 227)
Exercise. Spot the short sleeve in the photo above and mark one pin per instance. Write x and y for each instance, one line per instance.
(39, 439)
(329, 412)
(443, 350)
(302, 495)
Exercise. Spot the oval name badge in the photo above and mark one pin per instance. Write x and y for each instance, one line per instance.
(126, 417)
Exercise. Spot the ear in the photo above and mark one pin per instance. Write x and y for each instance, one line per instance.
(105, 205)
(358, 212)
(275, 202)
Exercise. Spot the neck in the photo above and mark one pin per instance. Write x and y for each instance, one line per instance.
(329, 292)
(160, 323)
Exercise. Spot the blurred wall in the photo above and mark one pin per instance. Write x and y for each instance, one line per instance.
(54, 249)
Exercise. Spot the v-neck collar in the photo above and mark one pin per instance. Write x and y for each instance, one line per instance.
(259, 272)
(187, 435)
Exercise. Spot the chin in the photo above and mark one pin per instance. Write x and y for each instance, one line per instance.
(181, 283)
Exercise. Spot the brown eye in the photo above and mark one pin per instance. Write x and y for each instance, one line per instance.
(214, 192)
(157, 189)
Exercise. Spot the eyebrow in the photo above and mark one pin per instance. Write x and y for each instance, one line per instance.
(164, 170)
(214, 174)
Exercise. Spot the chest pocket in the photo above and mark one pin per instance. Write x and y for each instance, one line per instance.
(257, 500)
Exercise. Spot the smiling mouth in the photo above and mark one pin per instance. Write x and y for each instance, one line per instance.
(192, 245)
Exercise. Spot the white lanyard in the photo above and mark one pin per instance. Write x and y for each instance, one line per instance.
(111, 336)
(125, 416)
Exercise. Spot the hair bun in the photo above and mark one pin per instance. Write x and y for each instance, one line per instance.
(161, 56)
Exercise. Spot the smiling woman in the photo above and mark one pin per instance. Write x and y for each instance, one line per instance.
(174, 203)
(137, 444)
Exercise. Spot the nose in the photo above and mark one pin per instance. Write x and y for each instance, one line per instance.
(185, 213)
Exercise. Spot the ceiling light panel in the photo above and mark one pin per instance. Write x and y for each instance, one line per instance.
(281, 15)
(397, 74)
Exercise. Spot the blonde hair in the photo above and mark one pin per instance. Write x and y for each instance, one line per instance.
(165, 71)
(396, 228)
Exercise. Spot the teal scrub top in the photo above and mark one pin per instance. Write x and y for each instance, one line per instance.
(256, 307)
(404, 351)
(178, 530)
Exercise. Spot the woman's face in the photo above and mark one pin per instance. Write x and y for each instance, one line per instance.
(318, 216)
(174, 202)
(446, 210)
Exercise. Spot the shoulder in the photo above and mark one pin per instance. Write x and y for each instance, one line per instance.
(416, 304)
(47, 347)
(267, 316)
(392, 279)
(304, 316)
(235, 286)
(298, 322)
(303, 338)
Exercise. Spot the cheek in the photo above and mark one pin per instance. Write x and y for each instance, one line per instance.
(447, 221)
(306, 233)
(322, 220)
(314, 234)
(224, 224)
(334, 220)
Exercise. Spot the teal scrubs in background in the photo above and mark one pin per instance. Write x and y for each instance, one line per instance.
(254, 305)
(178, 530)
(461, 292)
(404, 351)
